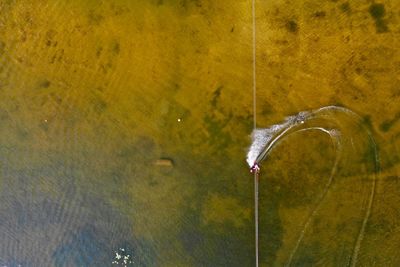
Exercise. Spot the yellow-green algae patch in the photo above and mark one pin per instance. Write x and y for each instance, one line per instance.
(225, 210)
(91, 94)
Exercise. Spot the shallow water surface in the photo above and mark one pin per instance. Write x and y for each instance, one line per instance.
(124, 128)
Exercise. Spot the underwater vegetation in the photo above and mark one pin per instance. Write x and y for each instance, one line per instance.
(124, 125)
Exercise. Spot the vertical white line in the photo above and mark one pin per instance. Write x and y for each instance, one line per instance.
(256, 212)
(253, 8)
(254, 65)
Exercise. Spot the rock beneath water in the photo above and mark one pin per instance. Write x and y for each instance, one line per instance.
(164, 162)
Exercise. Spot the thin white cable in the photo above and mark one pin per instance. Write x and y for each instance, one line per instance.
(256, 212)
(255, 125)
(254, 65)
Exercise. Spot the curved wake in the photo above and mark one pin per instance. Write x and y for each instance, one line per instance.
(351, 139)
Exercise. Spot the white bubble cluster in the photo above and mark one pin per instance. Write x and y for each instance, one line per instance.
(122, 258)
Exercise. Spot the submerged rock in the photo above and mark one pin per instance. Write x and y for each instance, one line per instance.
(164, 162)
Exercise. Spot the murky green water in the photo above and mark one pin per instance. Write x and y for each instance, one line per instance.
(124, 129)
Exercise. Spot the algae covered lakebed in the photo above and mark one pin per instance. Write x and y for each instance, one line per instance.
(124, 128)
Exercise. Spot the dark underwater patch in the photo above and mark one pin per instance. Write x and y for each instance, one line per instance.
(377, 11)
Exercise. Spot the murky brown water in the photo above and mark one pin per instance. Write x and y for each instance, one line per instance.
(93, 95)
